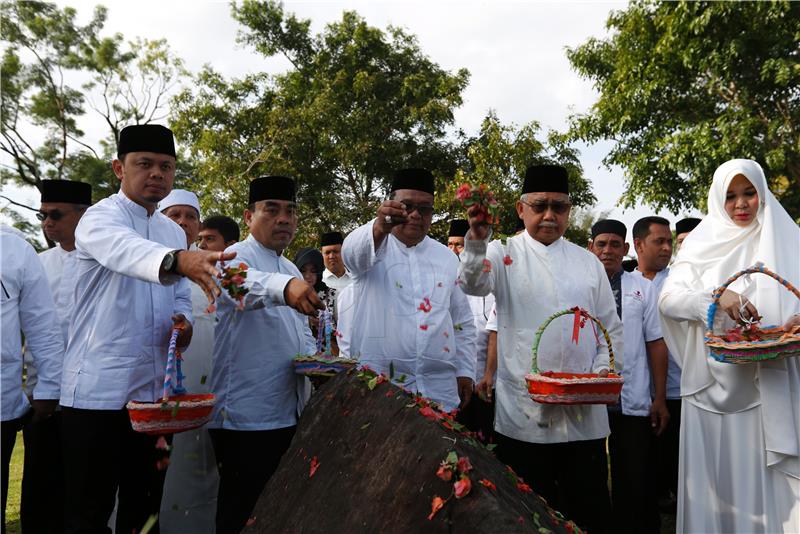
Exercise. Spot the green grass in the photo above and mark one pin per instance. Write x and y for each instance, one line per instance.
(14, 487)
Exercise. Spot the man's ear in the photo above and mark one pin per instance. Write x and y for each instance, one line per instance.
(116, 166)
(627, 248)
(589, 245)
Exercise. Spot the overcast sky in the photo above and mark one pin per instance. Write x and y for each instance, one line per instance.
(515, 52)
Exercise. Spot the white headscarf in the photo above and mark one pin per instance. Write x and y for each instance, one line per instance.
(718, 248)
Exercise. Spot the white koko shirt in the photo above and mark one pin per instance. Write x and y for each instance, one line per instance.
(27, 306)
(408, 312)
(123, 310)
(535, 282)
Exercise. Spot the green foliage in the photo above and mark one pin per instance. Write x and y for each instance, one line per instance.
(358, 103)
(45, 51)
(498, 157)
(685, 86)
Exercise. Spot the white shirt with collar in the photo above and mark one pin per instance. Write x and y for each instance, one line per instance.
(27, 306)
(253, 376)
(123, 310)
(674, 368)
(410, 313)
(539, 281)
(640, 324)
(59, 266)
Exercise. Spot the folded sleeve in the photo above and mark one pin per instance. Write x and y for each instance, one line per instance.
(358, 251)
(475, 272)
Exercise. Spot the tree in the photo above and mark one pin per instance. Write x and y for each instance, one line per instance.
(52, 70)
(357, 103)
(499, 156)
(685, 86)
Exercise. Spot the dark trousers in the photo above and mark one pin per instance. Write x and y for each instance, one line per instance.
(667, 446)
(631, 446)
(246, 460)
(478, 417)
(42, 477)
(572, 477)
(8, 431)
(103, 455)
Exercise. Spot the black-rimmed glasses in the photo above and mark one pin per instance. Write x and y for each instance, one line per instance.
(540, 206)
(424, 210)
(55, 215)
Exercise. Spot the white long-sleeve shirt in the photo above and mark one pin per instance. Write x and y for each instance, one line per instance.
(390, 286)
(123, 311)
(253, 377)
(27, 306)
(59, 267)
(540, 281)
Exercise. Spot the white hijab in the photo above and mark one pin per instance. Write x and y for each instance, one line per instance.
(716, 249)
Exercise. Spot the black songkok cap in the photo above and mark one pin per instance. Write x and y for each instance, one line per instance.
(146, 138)
(418, 179)
(686, 225)
(609, 226)
(458, 228)
(546, 179)
(331, 238)
(271, 188)
(66, 191)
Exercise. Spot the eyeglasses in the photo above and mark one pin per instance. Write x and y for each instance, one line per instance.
(424, 210)
(557, 206)
(54, 215)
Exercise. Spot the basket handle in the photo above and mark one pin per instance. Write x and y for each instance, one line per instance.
(173, 368)
(757, 268)
(538, 336)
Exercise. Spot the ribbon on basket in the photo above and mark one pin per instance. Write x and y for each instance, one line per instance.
(578, 323)
(173, 368)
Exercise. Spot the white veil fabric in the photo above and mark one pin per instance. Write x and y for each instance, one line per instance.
(716, 249)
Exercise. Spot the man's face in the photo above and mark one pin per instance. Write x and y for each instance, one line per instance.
(273, 223)
(63, 229)
(456, 244)
(417, 226)
(211, 239)
(146, 177)
(610, 249)
(332, 256)
(655, 250)
(187, 218)
(546, 215)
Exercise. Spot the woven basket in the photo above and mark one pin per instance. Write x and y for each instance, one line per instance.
(178, 413)
(321, 365)
(549, 387)
(776, 343)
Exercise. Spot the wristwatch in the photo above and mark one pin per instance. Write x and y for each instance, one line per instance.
(170, 262)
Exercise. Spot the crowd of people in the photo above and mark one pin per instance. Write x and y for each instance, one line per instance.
(456, 321)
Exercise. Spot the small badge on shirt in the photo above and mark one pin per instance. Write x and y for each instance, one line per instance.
(638, 295)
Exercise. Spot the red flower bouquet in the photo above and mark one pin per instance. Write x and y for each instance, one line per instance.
(472, 195)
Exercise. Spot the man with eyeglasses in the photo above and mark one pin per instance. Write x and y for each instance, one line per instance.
(409, 313)
(62, 205)
(259, 397)
(558, 449)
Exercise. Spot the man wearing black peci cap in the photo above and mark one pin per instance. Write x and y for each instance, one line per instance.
(410, 314)
(337, 296)
(129, 293)
(62, 205)
(455, 235)
(259, 397)
(637, 418)
(558, 449)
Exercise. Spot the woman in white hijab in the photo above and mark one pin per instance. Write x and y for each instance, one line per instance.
(740, 427)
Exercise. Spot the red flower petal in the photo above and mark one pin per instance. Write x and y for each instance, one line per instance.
(523, 487)
(507, 260)
(436, 504)
(462, 487)
(463, 465)
(423, 327)
(485, 482)
(314, 467)
(487, 265)
(444, 472)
